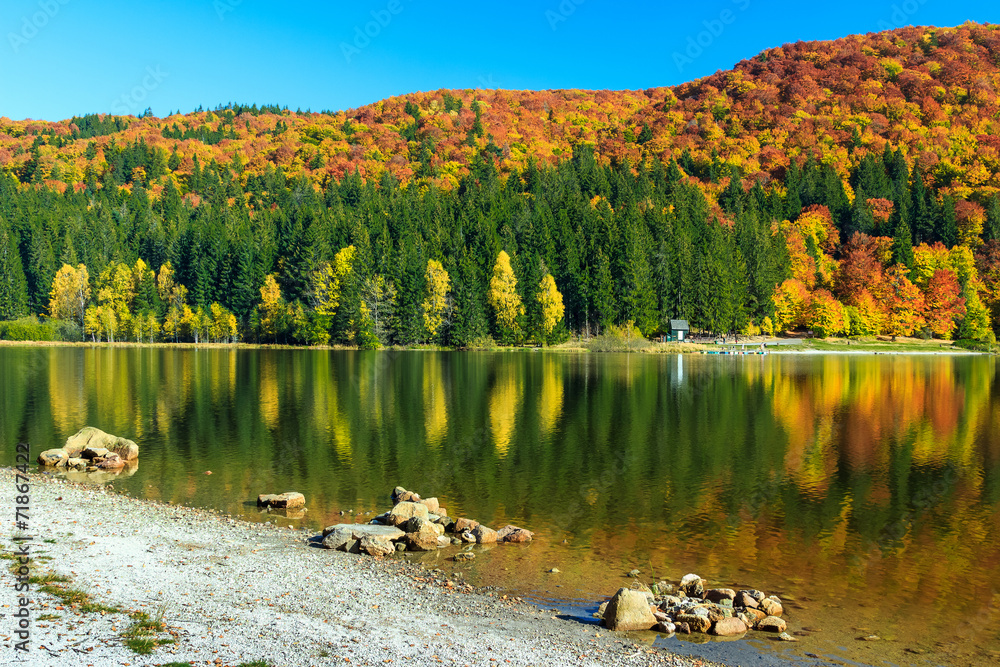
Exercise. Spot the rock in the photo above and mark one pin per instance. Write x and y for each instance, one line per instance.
(634, 573)
(682, 628)
(465, 556)
(448, 523)
(555, 570)
(755, 594)
(755, 616)
(287, 500)
(432, 505)
(744, 599)
(628, 610)
(359, 530)
(666, 627)
(91, 453)
(514, 534)
(719, 594)
(412, 525)
(785, 637)
(692, 585)
(400, 546)
(110, 462)
(660, 616)
(76, 463)
(408, 497)
(662, 588)
(340, 538)
(128, 450)
(95, 438)
(53, 457)
(396, 493)
(463, 524)
(728, 627)
(424, 539)
(484, 535)
(376, 546)
(772, 606)
(467, 537)
(771, 624)
(695, 622)
(669, 601)
(406, 510)
(442, 540)
(443, 511)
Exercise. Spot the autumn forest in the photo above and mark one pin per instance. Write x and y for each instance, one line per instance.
(848, 188)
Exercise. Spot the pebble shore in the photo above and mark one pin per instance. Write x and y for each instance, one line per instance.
(232, 591)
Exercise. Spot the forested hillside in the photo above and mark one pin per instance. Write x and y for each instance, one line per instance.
(848, 187)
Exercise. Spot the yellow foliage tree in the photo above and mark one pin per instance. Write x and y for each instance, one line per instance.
(327, 280)
(272, 307)
(436, 303)
(552, 304)
(504, 299)
(70, 293)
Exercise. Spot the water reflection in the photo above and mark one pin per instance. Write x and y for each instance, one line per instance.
(835, 479)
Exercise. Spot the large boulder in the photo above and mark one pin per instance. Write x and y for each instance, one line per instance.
(514, 534)
(629, 610)
(96, 438)
(53, 457)
(745, 599)
(406, 510)
(109, 462)
(287, 500)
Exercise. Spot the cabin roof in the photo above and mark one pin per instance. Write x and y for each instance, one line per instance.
(679, 325)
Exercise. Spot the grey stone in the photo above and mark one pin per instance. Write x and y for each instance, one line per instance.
(359, 530)
(628, 610)
(374, 545)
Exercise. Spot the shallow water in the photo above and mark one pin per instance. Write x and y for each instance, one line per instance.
(862, 489)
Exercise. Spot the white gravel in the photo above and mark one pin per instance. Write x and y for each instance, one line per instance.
(233, 592)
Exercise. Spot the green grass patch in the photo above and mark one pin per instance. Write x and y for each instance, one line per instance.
(49, 541)
(76, 597)
(255, 663)
(176, 664)
(143, 636)
(48, 617)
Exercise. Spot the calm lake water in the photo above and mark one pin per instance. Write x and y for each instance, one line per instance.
(863, 489)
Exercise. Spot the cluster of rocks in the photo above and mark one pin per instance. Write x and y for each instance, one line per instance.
(92, 449)
(690, 607)
(286, 500)
(416, 524)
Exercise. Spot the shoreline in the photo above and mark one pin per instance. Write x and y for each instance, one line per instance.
(231, 591)
(782, 346)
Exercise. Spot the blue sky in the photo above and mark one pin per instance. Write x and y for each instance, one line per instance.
(60, 58)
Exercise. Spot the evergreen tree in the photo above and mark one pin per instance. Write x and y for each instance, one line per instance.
(947, 223)
(13, 288)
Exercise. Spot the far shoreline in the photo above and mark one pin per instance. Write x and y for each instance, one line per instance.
(783, 346)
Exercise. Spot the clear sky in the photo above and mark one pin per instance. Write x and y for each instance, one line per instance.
(60, 58)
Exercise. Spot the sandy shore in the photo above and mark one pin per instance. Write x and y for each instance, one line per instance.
(231, 592)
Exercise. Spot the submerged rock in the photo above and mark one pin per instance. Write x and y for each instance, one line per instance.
(287, 500)
(728, 627)
(514, 534)
(771, 624)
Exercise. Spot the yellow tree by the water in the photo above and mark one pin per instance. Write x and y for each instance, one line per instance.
(272, 307)
(70, 292)
(327, 280)
(552, 304)
(436, 303)
(504, 299)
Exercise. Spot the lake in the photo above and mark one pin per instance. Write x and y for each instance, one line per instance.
(863, 489)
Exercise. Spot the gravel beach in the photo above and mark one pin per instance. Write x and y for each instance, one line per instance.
(231, 592)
